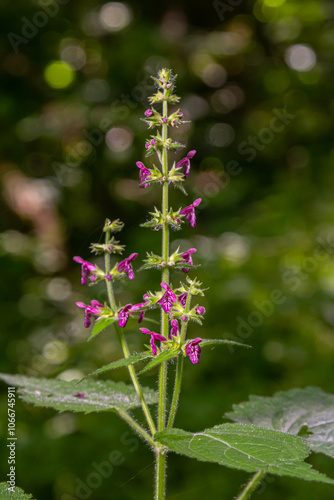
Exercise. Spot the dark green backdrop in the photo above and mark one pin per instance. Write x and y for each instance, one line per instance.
(256, 79)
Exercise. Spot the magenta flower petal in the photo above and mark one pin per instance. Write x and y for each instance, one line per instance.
(144, 175)
(193, 350)
(175, 330)
(154, 337)
(126, 266)
(123, 315)
(186, 257)
(200, 310)
(168, 298)
(185, 163)
(189, 212)
(149, 113)
(183, 299)
(91, 312)
(86, 269)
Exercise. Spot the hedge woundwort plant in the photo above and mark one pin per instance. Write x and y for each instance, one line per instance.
(269, 435)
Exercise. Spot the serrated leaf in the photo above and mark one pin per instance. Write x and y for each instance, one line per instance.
(131, 360)
(245, 447)
(307, 411)
(98, 395)
(100, 326)
(13, 494)
(160, 358)
(221, 341)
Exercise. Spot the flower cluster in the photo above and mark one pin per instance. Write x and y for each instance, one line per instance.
(175, 303)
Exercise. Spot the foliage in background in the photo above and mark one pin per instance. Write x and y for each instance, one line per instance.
(67, 158)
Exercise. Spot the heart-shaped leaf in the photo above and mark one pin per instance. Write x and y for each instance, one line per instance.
(305, 412)
(88, 396)
(245, 447)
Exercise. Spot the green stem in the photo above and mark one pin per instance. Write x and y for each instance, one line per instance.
(179, 369)
(160, 474)
(125, 347)
(131, 421)
(177, 389)
(251, 486)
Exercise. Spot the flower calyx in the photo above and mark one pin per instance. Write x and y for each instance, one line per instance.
(113, 226)
(158, 220)
(148, 175)
(182, 260)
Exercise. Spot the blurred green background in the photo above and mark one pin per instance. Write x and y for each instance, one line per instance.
(256, 81)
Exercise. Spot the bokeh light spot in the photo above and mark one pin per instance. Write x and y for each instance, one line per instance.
(59, 74)
(119, 139)
(300, 57)
(221, 135)
(115, 16)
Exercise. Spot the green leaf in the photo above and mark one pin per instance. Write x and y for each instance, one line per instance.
(245, 447)
(307, 412)
(160, 358)
(206, 342)
(99, 326)
(15, 494)
(131, 360)
(98, 395)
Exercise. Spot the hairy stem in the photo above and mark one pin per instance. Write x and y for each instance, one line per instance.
(138, 428)
(125, 347)
(179, 369)
(251, 485)
(176, 392)
(160, 474)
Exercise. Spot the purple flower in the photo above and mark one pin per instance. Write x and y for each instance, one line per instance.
(193, 350)
(175, 330)
(185, 162)
(186, 259)
(183, 299)
(86, 269)
(136, 307)
(154, 337)
(144, 175)
(92, 311)
(149, 113)
(150, 144)
(126, 267)
(200, 310)
(167, 299)
(189, 212)
(123, 315)
(164, 120)
(79, 395)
